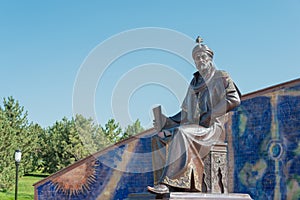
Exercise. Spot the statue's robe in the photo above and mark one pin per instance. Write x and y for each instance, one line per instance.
(193, 131)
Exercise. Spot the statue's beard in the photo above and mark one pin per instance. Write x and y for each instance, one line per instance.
(206, 70)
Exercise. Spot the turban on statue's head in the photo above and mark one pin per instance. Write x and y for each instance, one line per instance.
(202, 47)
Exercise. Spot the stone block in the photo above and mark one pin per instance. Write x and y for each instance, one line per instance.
(189, 195)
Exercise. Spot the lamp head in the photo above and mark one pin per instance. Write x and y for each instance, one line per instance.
(18, 155)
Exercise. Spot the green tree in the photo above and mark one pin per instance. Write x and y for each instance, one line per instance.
(88, 138)
(90, 134)
(55, 143)
(132, 130)
(112, 131)
(32, 156)
(14, 134)
(68, 141)
(7, 146)
(29, 139)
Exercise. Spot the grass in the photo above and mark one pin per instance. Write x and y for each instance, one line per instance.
(25, 188)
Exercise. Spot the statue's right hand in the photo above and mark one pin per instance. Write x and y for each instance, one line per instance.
(161, 134)
(164, 134)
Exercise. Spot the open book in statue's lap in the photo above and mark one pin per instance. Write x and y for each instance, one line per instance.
(182, 141)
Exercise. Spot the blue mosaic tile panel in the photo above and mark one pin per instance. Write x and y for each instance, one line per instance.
(266, 140)
(110, 178)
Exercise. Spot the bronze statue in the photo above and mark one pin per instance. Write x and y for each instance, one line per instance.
(186, 138)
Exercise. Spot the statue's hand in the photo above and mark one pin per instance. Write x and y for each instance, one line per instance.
(161, 134)
(164, 134)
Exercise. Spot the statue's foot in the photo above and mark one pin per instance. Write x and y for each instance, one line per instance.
(159, 189)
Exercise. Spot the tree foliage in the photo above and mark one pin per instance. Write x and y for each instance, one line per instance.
(112, 131)
(68, 141)
(55, 147)
(7, 147)
(15, 134)
(132, 130)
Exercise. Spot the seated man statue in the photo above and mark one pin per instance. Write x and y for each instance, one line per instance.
(186, 138)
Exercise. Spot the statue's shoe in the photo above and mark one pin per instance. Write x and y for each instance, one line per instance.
(159, 189)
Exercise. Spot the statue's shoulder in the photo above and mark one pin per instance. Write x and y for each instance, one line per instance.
(221, 73)
(222, 76)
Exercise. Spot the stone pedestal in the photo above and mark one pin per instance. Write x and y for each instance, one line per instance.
(215, 170)
(229, 196)
(189, 195)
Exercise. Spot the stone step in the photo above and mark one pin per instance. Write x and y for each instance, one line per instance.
(147, 196)
(189, 195)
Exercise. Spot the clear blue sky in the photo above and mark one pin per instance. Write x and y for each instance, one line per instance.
(44, 43)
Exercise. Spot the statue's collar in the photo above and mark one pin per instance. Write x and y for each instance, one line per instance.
(196, 74)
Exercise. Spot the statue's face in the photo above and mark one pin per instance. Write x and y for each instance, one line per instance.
(202, 61)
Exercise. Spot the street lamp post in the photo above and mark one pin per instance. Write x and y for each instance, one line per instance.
(18, 155)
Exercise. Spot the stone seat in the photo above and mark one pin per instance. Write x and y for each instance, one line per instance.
(215, 178)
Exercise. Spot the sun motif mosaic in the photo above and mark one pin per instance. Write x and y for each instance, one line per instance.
(77, 180)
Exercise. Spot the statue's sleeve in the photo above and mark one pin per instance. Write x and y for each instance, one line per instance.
(233, 95)
(175, 119)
